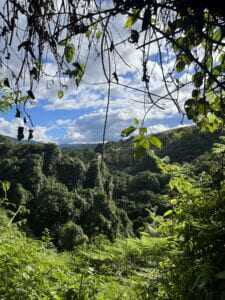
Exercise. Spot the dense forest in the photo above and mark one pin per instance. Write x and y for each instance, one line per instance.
(72, 189)
(73, 227)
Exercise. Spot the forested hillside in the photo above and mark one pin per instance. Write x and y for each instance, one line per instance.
(72, 194)
(181, 145)
(131, 234)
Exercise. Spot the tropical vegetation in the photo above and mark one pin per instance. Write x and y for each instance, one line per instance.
(154, 234)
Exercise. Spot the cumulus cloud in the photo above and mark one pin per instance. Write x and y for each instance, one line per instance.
(158, 128)
(64, 122)
(89, 127)
(125, 103)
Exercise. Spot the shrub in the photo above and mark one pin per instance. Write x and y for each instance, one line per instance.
(71, 235)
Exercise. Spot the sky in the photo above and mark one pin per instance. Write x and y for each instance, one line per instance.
(79, 116)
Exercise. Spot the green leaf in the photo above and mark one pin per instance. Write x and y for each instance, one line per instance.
(180, 65)
(5, 185)
(136, 141)
(144, 144)
(98, 35)
(69, 52)
(72, 73)
(143, 130)
(80, 74)
(94, 26)
(173, 201)
(76, 73)
(209, 82)
(136, 122)
(209, 62)
(65, 41)
(222, 58)
(132, 19)
(196, 93)
(168, 212)
(216, 70)
(185, 59)
(60, 94)
(181, 41)
(211, 123)
(217, 35)
(126, 132)
(138, 138)
(88, 33)
(155, 141)
(143, 233)
(197, 79)
(190, 109)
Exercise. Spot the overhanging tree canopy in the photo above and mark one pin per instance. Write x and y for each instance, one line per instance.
(190, 33)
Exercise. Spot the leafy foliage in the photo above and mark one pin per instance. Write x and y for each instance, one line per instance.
(196, 226)
(179, 253)
(32, 269)
(71, 235)
(58, 187)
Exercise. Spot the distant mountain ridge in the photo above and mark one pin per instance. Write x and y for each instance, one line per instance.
(9, 139)
(181, 145)
(75, 146)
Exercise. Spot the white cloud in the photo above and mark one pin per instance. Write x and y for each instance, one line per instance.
(41, 134)
(158, 128)
(7, 128)
(125, 104)
(64, 122)
(89, 127)
(10, 129)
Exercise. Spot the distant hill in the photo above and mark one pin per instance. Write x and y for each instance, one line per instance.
(10, 140)
(187, 143)
(182, 145)
(77, 146)
(6, 139)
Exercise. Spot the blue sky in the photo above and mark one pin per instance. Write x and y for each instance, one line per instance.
(79, 116)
